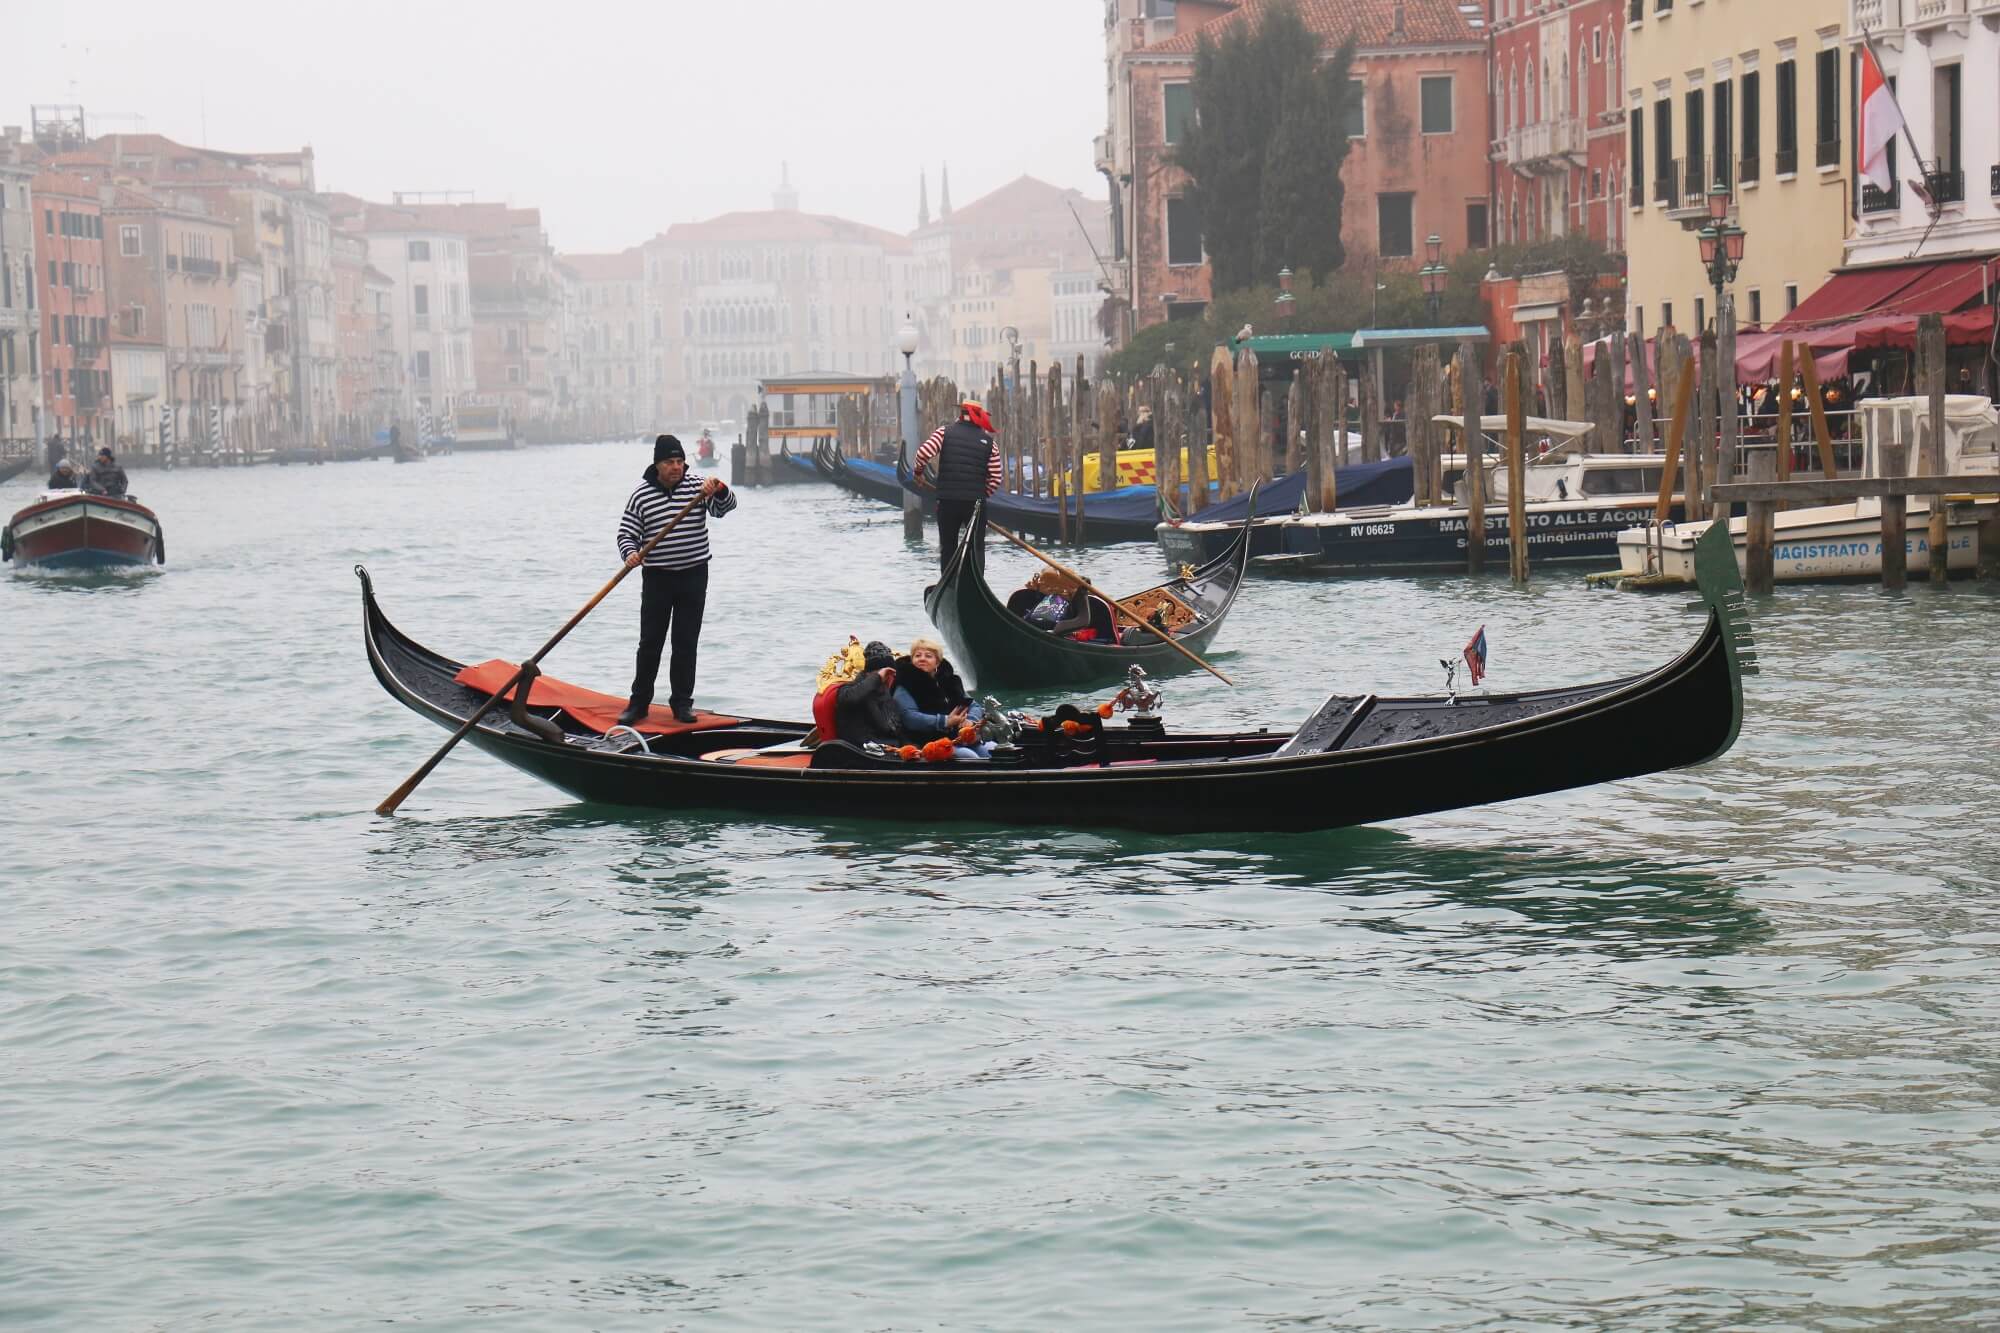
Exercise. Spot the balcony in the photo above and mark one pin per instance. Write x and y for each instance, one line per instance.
(1694, 178)
(1786, 162)
(1881, 201)
(1748, 169)
(1826, 153)
(1667, 185)
(1545, 145)
(1879, 17)
(1923, 15)
(86, 352)
(1945, 187)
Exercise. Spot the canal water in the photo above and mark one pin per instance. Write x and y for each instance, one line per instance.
(1705, 1050)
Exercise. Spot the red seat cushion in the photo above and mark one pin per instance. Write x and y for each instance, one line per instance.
(823, 712)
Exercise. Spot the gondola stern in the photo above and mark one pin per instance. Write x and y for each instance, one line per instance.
(1720, 584)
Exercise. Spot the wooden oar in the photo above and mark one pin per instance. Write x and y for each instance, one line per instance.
(1109, 600)
(402, 793)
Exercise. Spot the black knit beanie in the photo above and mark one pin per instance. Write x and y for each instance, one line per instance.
(668, 446)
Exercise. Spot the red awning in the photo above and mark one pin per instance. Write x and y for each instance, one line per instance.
(1938, 286)
(1973, 328)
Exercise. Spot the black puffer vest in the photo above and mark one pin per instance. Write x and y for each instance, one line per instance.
(961, 463)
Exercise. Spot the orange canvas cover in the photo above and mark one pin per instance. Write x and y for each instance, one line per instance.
(597, 711)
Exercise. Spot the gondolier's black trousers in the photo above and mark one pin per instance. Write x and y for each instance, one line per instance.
(952, 516)
(670, 598)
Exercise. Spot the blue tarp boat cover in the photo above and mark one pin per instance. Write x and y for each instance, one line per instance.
(1358, 484)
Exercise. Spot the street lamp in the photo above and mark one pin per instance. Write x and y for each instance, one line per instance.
(1721, 244)
(1285, 301)
(906, 343)
(1435, 275)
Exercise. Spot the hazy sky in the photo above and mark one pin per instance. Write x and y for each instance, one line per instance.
(615, 120)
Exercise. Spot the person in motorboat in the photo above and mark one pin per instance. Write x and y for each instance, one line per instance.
(930, 700)
(106, 477)
(64, 478)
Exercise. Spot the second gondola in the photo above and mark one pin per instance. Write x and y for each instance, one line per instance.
(994, 643)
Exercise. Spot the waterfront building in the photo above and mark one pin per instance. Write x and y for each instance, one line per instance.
(69, 258)
(1942, 60)
(1417, 164)
(992, 266)
(20, 313)
(1749, 96)
(613, 374)
(367, 369)
(173, 320)
(430, 306)
(282, 229)
(1559, 133)
(749, 295)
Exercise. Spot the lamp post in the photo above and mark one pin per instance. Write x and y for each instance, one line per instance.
(1721, 244)
(906, 343)
(1435, 275)
(1285, 300)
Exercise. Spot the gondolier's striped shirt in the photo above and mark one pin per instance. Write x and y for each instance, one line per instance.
(650, 509)
(927, 453)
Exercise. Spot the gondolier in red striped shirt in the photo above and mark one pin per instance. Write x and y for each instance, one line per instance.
(967, 471)
(675, 588)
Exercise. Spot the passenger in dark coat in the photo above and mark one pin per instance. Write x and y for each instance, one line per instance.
(64, 477)
(106, 477)
(864, 709)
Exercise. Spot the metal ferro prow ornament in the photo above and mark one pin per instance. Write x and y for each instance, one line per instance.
(1140, 697)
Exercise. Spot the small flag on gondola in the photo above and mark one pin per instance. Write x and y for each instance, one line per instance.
(1475, 656)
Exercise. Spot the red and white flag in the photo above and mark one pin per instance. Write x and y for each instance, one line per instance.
(1881, 121)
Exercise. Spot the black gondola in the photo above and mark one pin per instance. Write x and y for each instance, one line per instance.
(1002, 650)
(1357, 760)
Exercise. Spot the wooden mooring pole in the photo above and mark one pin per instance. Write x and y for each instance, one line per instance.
(1475, 459)
(1931, 375)
(1759, 524)
(1895, 520)
(1517, 372)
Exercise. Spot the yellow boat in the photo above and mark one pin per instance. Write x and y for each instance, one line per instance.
(1135, 468)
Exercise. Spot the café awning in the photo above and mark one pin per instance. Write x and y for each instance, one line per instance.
(1925, 288)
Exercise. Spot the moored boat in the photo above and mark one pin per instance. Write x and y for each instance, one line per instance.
(77, 530)
(994, 642)
(1357, 759)
(1844, 541)
(1575, 502)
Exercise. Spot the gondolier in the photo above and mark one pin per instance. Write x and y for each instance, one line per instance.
(675, 575)
(968, 470)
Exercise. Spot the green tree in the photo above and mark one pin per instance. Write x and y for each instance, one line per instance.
(1302, 195)
(1265, 149)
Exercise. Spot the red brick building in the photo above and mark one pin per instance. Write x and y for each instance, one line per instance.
(1417, 165)
(1559, 120)
(69, 259)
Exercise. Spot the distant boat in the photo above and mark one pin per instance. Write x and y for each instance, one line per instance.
(77, 530)
(13, 467)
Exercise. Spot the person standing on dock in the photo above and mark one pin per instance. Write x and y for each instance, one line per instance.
(968, 470)
(675, 588)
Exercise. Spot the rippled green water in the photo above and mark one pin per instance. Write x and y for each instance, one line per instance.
(1706, 1050)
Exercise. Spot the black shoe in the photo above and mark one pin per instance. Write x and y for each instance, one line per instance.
(683, 712)
(633, 715)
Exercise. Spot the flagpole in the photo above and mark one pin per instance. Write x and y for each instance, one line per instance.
(1903, 122)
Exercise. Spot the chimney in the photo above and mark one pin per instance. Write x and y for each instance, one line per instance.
(1399, 33)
